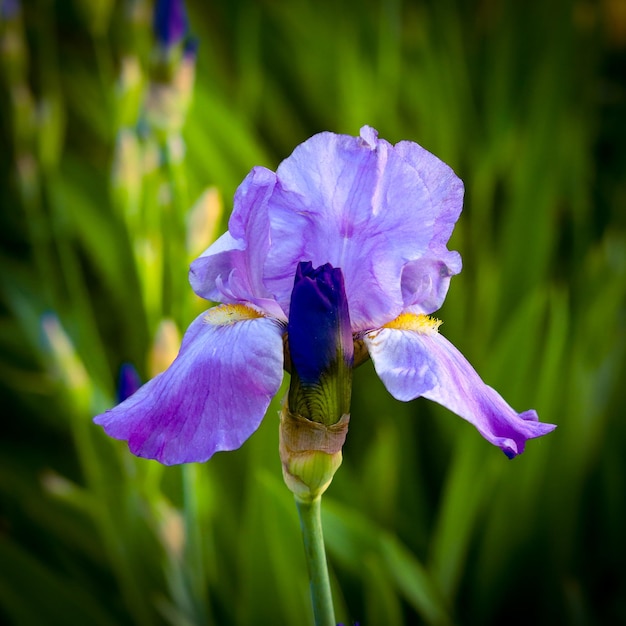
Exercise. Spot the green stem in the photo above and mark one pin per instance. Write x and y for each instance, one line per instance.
(194, 556)
(311, 525)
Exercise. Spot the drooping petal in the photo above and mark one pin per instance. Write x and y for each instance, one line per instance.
(231, 269)
(412, 364)
(358, 204)
(214, 395)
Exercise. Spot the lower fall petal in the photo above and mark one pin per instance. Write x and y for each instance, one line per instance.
(424, 363)
(212, 397)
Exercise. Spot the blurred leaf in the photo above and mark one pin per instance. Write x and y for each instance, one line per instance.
(57, 597)
(351, 538)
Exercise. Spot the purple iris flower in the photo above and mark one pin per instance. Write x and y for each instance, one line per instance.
(380, 214)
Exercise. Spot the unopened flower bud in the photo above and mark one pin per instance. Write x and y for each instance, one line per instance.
(127, 176)
(128, 381)
(315, 416)
(170, 22)
(321, 347)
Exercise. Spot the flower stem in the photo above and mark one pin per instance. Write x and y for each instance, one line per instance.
(311, 525)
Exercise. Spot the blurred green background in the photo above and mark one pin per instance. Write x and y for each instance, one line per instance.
(425, 522)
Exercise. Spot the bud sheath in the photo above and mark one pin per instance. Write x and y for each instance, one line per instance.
(310, 453)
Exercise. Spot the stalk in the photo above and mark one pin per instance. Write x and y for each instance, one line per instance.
(311, 525)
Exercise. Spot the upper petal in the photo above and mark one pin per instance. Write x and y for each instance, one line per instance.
(413, 364)
(359, 204)
(371, 209)
(212, 397)
(425, 281)
(231, 269)
(445, 188)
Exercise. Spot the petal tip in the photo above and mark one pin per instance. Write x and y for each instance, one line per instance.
(510, 454)
(369, 136)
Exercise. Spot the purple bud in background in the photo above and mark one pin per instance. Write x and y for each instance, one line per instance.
(128, 382)
(170, 22)
(9, 9)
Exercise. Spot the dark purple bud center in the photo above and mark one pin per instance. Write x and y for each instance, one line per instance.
(320, 343)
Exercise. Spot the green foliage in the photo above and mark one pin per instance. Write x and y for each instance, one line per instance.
(425, 522)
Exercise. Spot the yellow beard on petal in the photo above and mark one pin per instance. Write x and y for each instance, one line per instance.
(418, 322)
(226, 314)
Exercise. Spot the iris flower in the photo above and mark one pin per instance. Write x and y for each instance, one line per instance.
(379, 213)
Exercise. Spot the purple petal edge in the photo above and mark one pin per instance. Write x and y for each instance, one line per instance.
(413, 364)
(212, 398)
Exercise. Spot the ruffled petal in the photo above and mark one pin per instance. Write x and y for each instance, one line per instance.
(358, 204)
(425, 281)
(445, 188)
(212, 397)
(231, 269)
(413, 364)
